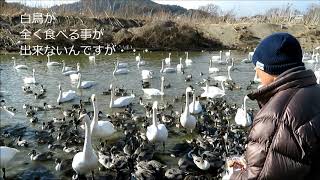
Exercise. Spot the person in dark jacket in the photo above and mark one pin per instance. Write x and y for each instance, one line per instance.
(284, 141)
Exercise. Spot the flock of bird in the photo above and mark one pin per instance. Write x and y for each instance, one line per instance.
(207, 121)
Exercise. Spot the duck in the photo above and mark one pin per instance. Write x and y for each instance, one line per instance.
(156, 133)
(85, 84)
(119, 71)
(212, 69)
(167, 60)
(146, 74)
(69, 72)
(180, 66)
(52, 63)
(200, 162)
(65, 96)
(242, 117)
(22, 142)
(45, 156)
(101, 129)
(120, 102)
(187, 120)
(6, 156)
(213, 92)
(188, 61)
(224, 78)
(167, 69)
(30, 80)
(153, 91)
(19, 66)
(195, 106)
(86, 160)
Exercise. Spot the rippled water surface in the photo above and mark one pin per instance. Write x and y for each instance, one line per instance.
(101, 72)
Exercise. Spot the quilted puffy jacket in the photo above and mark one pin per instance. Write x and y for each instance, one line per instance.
(284, 141)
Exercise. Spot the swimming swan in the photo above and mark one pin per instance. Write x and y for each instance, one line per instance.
(224, 78)
(188, 61)
(180, 66)
(19, 66)
(213, 92)
(65, 96)
(69, 72)
(121, 101)
(168, 60)
(167, 69)
(195, 106)
(30, 80)
(85, 84)
(153, 91)
(52, 63)
(119, 71)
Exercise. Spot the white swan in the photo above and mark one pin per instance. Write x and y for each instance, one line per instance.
(30, 80)
(87, 160)
(19, 66)
(168, 60)
(228, 55)
(213, 92)
(224, 78)
(249, 59)
(74, 77)
(317, 73)
(195, 106)
(85, 84)
(212, 69)
(65, 96)
(52, 63)
(153, 91)
(167, 69)
(121, 65)
(146, 74)
(6, 156)
(121, 101)
(92, 58)
(156, 133)
(180, 66)
(64, 67)
(216, 58)
(314, 60)
(69, 72)
(187, 120)
(119, 71)
(242, 117)
(102, 129)
(138, 58)
(188, 61)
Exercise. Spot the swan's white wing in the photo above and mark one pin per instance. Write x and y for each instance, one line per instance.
(69, 95)
(6, 155)
(103, 129)
(87, 84)
(163, 132)
(67, 73)
(152, 133)
(123, 101)
(152, 91)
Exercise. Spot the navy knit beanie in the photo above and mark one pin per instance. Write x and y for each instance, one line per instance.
(278, 53)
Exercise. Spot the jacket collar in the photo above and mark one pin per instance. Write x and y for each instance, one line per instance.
(297, 77)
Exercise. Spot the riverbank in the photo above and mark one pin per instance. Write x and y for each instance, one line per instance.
(160, 35)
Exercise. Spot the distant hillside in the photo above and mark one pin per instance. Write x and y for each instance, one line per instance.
(125, 8)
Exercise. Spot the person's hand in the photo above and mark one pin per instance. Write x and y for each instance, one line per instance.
(237, 164)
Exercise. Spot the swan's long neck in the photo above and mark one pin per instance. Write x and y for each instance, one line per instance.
(194, 101)
(222, 86)
(180, 61)
(87, 148)
(162, 86)
(33, 75)
(48, 59)
(187, 103)
(229, 74)
(78, 67)
(14, 63)
(154, 116)
(79, 82)
(210, 63)
(115, 68)
(95, 116)
(111, 98)
(59, 96)
(63, 66)
(162, 66)
(207, 86)
(187, 55)
(220, 55)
